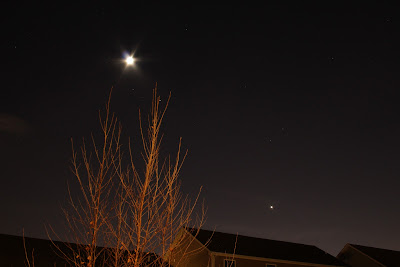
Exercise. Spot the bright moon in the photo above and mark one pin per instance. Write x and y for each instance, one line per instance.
(129, 60)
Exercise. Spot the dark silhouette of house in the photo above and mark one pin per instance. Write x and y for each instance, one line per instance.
(45, 253)
(363, 256)
(216, 249)
(12, 252)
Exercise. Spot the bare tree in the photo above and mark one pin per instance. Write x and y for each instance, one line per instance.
(127, 215)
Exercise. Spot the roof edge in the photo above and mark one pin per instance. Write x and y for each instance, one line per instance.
(273, 259)
(195, 238)
(376, 261)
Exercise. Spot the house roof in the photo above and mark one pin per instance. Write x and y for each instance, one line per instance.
(386, 257)
(12, 252)
(263, 248)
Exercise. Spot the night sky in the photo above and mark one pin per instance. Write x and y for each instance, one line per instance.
(294, 106)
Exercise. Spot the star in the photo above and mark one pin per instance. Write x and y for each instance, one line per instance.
(129, 60)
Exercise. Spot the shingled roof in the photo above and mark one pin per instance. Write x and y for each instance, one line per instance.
(389, 258)
(263, 248)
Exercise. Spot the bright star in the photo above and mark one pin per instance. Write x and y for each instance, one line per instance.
(129, 60)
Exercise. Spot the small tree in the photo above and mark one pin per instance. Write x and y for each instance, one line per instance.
(127, 216)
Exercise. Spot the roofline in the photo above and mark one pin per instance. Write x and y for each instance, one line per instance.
(259, 258)
(198, 241)
(192, 239)
(345, 246)
(214, 253)
(271, 259)
(255, 237)
(350, 245)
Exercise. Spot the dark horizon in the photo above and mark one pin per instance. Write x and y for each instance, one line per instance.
(290, 106)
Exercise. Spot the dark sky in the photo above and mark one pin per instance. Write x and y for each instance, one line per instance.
(294, 106)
